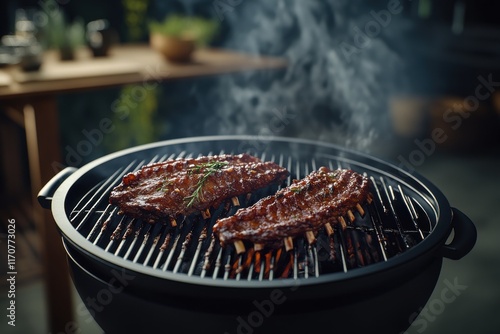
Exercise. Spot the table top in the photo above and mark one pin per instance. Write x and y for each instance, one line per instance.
(126, 64)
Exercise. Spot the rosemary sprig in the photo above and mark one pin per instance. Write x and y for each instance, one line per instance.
(208, 169)
(164, 187)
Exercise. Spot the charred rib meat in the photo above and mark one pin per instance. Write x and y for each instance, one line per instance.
(305, 205)
(184, 186)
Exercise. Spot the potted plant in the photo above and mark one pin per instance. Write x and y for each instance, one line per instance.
(64, 36)
(176, 37)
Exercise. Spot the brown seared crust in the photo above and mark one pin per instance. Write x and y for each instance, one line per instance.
(305, 205)
(163, 190)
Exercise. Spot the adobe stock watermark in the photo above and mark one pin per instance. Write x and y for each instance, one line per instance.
(262, 310)
(281, 118)
(454, 117)
(362, 37)
(223, 7)
(435, 307)
(121, 108)
(92, 305)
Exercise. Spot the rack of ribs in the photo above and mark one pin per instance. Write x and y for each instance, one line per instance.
(185, 186)
(321, 198)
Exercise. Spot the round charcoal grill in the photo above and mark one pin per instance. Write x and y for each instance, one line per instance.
(374, 270)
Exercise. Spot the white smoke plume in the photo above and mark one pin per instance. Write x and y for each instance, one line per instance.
(328, 93)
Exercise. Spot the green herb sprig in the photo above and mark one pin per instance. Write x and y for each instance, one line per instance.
(208, 169)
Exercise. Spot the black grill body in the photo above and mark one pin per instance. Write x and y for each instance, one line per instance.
(381, 266)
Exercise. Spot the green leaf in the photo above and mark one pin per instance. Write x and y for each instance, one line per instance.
(207, 169)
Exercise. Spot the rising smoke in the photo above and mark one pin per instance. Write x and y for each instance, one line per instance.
(329, 91)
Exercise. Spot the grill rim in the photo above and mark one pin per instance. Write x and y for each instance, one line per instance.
(430, 244)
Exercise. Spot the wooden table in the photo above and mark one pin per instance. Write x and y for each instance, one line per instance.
(30, 99)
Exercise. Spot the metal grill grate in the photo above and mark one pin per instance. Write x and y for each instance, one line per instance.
(392, 223)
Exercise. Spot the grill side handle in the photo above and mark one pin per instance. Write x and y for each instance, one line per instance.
(464, 238)
(47, 192)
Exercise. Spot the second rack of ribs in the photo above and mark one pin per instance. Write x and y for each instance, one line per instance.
(305, 205)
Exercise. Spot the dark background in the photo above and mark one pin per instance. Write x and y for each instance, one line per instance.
(345, 101)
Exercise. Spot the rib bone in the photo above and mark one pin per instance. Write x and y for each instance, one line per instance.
(239, 246)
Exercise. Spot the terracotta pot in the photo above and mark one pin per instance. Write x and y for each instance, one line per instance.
(173, 48)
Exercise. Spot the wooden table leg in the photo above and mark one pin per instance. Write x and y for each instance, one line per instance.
(41, 122)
